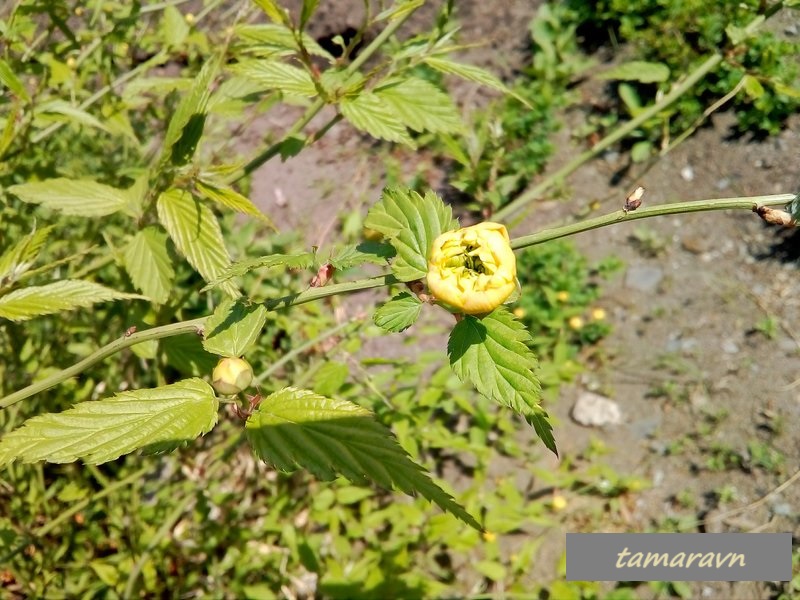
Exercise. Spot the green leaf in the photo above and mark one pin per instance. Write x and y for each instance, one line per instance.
(493, 354)
(354, 255)
(72, 196)
(187, 123)
(186, 354)
(399, 313)
(274, 75)
(293, 261)
(34, 301)
(369, 113)
(73, 113)
(20, 257)
(148, 263)
(739, 34)
(159, 419)
(641, 151)
(753, 87)
(399, 9)
(234, 327)
(278, 39)
(174, 28)
(420, 105)
(9, 79)
(196, 233)
(471, 73)
(411, 223)
(294, 429)
(330, 378)
(309, 7)
(273, 10)
(637, 70)
(784, 89)
(232, 199)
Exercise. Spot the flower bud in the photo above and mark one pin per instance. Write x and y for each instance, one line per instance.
(231, 376)
(473, 270)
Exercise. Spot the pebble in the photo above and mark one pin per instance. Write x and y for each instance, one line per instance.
(643, 278)
(791, 29)
(687, 173)
(594, 410)
(730, 347)
(647, 427)
(724, 183)
(787, 345)
(678, 344)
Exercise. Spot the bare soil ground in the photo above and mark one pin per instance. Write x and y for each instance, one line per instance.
(711, 404)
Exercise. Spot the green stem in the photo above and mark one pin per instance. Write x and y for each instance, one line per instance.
(621, 216)
(191, 326)
(320, 103)
(312, 294)
(626, 128)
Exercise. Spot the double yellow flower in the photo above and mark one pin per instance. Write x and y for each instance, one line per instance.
(473, 269)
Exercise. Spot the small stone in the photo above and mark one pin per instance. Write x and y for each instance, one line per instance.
(730, 347)
(594, 410)
(783, 509)
(790, 29)
(643, 278)
(687, 173)
(723, 184)
(647, 427)
(788, 345)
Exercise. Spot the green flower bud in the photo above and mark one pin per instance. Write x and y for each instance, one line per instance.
(231, 376)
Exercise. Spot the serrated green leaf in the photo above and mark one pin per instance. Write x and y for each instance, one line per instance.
(399, 313)
(232, 199)
(294, 429)
(234, 327)
(9, 79)
(35, 301)
(186, 354)
(637, 70)
(411, 223)
(292, 261)
(188, 121)
(471, 73)
(493, 354)
(420, 105)
(274, 75)
(369, 113)
(272, 9)
(159, 419)
(19, 258)
(279, 39)
(148, 264)
(354, 255)
(72, 196)
(73, 114)
(197, 235)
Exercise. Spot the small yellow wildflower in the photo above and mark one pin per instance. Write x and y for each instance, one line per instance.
(558, 503)
(189, 18)
(473, 270)
(575, 323)
(562, 296)
(489, 536)
(519, 312)
(598, 314)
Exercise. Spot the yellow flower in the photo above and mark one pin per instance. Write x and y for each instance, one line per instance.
(558, 503)
(562, 296)
(598, 314)
(231, 376)
(473, 269)
(519, 312)
(575, 323)
(489, 536)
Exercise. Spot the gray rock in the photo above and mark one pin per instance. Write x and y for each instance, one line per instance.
(594, 410)
(730, 347)
(643, 278)
(647, 427)
(724, 183)
(687, 173)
